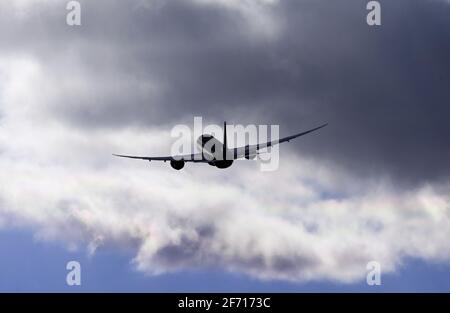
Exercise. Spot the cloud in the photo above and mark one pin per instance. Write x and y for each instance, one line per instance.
(259, 15)
(384, 91)
(71, 97)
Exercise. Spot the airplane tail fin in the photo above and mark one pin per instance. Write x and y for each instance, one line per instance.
(225, 146)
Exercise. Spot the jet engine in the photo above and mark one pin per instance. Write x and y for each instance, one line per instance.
(178, 165)
(223, 163)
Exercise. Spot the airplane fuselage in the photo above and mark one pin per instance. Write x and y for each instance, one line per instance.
(215, 151)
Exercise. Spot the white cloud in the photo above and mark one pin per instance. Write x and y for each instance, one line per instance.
(306, 221)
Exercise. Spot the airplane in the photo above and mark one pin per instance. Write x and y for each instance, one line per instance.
(216, 153)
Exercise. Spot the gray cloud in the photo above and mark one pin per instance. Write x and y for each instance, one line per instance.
(384, 91)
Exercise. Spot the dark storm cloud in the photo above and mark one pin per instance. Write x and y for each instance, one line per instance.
(384, 90)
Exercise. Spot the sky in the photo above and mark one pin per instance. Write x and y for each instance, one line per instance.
(371, 186)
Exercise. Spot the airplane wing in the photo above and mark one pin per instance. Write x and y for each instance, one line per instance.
(252, 150)
(196, 158)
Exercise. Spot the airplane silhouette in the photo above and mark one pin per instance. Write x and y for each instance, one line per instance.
(216, 153)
